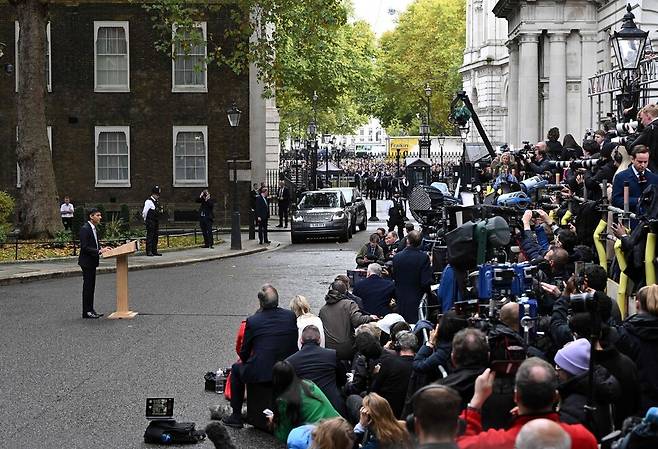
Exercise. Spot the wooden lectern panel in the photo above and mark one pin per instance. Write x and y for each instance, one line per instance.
(127, 248)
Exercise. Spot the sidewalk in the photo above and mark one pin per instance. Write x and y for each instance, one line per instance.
(26, 271)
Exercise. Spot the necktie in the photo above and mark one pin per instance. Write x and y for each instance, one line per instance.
(641, 177)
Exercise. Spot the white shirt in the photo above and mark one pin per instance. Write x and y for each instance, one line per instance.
(148, 205)
(66, 210)
(93, 229)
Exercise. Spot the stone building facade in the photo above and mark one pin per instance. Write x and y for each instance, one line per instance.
(123, 117)
(552, 48)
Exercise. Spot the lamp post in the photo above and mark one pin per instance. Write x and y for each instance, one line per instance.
(296, 147)
(628, 44)
(442, 141)
(233, 114)
(428, 94)
(312, 132)
(424, 138)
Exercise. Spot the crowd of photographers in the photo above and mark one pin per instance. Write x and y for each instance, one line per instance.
(395, 362)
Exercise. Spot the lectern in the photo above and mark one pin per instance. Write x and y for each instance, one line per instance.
(121, 253)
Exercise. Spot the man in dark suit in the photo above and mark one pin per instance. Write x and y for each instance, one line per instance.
(412, 274)
(90, 251)
(283, 199)
(375, 291)
(262, 215)
(638, 177)
(206, 217)
(319, 365)
(270, 336)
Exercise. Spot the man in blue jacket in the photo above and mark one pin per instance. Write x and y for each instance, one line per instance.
(638, 177)
(412, 274)
(320, 366)
(270, 336)
(375, 291)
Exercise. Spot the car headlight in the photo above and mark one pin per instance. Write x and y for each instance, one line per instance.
(297, 218)
(338, 215)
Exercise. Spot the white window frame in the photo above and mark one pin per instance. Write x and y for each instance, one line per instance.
(126, 29)
(49, 81)
(49, 132)
(175, 88)
(110, 129)
(183, 182)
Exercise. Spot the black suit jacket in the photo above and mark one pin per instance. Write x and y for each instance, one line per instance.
(376, 293)
(649, 137)
(270, 336)
(89, 256)
(286, 197)
(412, 274)
(262, 209)
(319, 365)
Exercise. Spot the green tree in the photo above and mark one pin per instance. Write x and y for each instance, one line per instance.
(426, 47)
(343, 80)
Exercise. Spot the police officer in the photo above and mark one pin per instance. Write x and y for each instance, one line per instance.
(151, 214)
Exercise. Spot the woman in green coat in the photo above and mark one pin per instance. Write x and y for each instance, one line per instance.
(297, 401)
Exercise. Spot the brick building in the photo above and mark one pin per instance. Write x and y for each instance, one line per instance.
(123, 117)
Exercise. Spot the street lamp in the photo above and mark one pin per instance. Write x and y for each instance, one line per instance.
(233, 114)
(629, 42)
(428, 94)
(442, 141)
(326, 175)
(312, 132)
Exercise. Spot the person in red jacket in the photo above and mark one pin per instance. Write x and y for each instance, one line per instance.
(535, 394)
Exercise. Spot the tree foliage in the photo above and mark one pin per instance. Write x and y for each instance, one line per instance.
(299, 47)
(426, 47)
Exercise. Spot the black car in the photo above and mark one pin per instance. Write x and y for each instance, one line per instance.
(321, 213)
(356, 205)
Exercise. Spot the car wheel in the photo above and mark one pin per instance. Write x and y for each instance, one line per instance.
(364, 224)
(345, 236)
(294, 238)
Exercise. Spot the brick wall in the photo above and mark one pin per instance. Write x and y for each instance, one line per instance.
(150, 109)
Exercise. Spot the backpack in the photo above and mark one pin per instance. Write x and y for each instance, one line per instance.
(172, 432)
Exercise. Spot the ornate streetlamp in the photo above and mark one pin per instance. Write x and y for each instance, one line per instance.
(233, 114)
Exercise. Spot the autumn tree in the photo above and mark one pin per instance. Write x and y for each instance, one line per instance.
(38, 203)
(426, 47)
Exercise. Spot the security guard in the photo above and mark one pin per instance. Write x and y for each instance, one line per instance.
(151, 214)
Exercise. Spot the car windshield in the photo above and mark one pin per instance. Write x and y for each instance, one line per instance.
(347, 193)
(319, 199)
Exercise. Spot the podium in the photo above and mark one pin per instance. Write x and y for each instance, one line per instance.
(121, 253)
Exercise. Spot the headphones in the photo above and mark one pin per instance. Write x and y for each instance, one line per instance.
(617, 156)
(412, 400)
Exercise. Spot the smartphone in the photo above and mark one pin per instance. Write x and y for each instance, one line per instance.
(578, 267)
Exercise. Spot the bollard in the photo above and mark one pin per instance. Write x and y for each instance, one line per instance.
(373, 210)
(195, 236)
(167, 240)
(252, 227)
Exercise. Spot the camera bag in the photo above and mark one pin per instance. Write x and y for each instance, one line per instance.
(172, 432)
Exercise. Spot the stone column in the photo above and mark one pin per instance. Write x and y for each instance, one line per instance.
(513, 94)
(588, 42)
(557, 102)
(528, 87)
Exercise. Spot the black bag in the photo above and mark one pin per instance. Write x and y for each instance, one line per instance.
(462, 247)
(172, 432)
(210, 379)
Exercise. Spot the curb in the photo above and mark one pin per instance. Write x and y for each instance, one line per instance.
(74, 272)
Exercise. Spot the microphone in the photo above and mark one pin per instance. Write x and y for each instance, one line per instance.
(217, 433)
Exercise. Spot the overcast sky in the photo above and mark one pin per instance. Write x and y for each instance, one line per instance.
(380, 13)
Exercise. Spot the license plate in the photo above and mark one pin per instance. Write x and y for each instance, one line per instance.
(317, 225)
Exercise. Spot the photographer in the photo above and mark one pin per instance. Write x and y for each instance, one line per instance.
(555, 258)
(554, 147)
(575, 176)
(604, 169)
(206, 217)
(649, 136)
(541, 163)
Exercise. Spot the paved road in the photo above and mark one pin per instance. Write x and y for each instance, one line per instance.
(75, 383)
